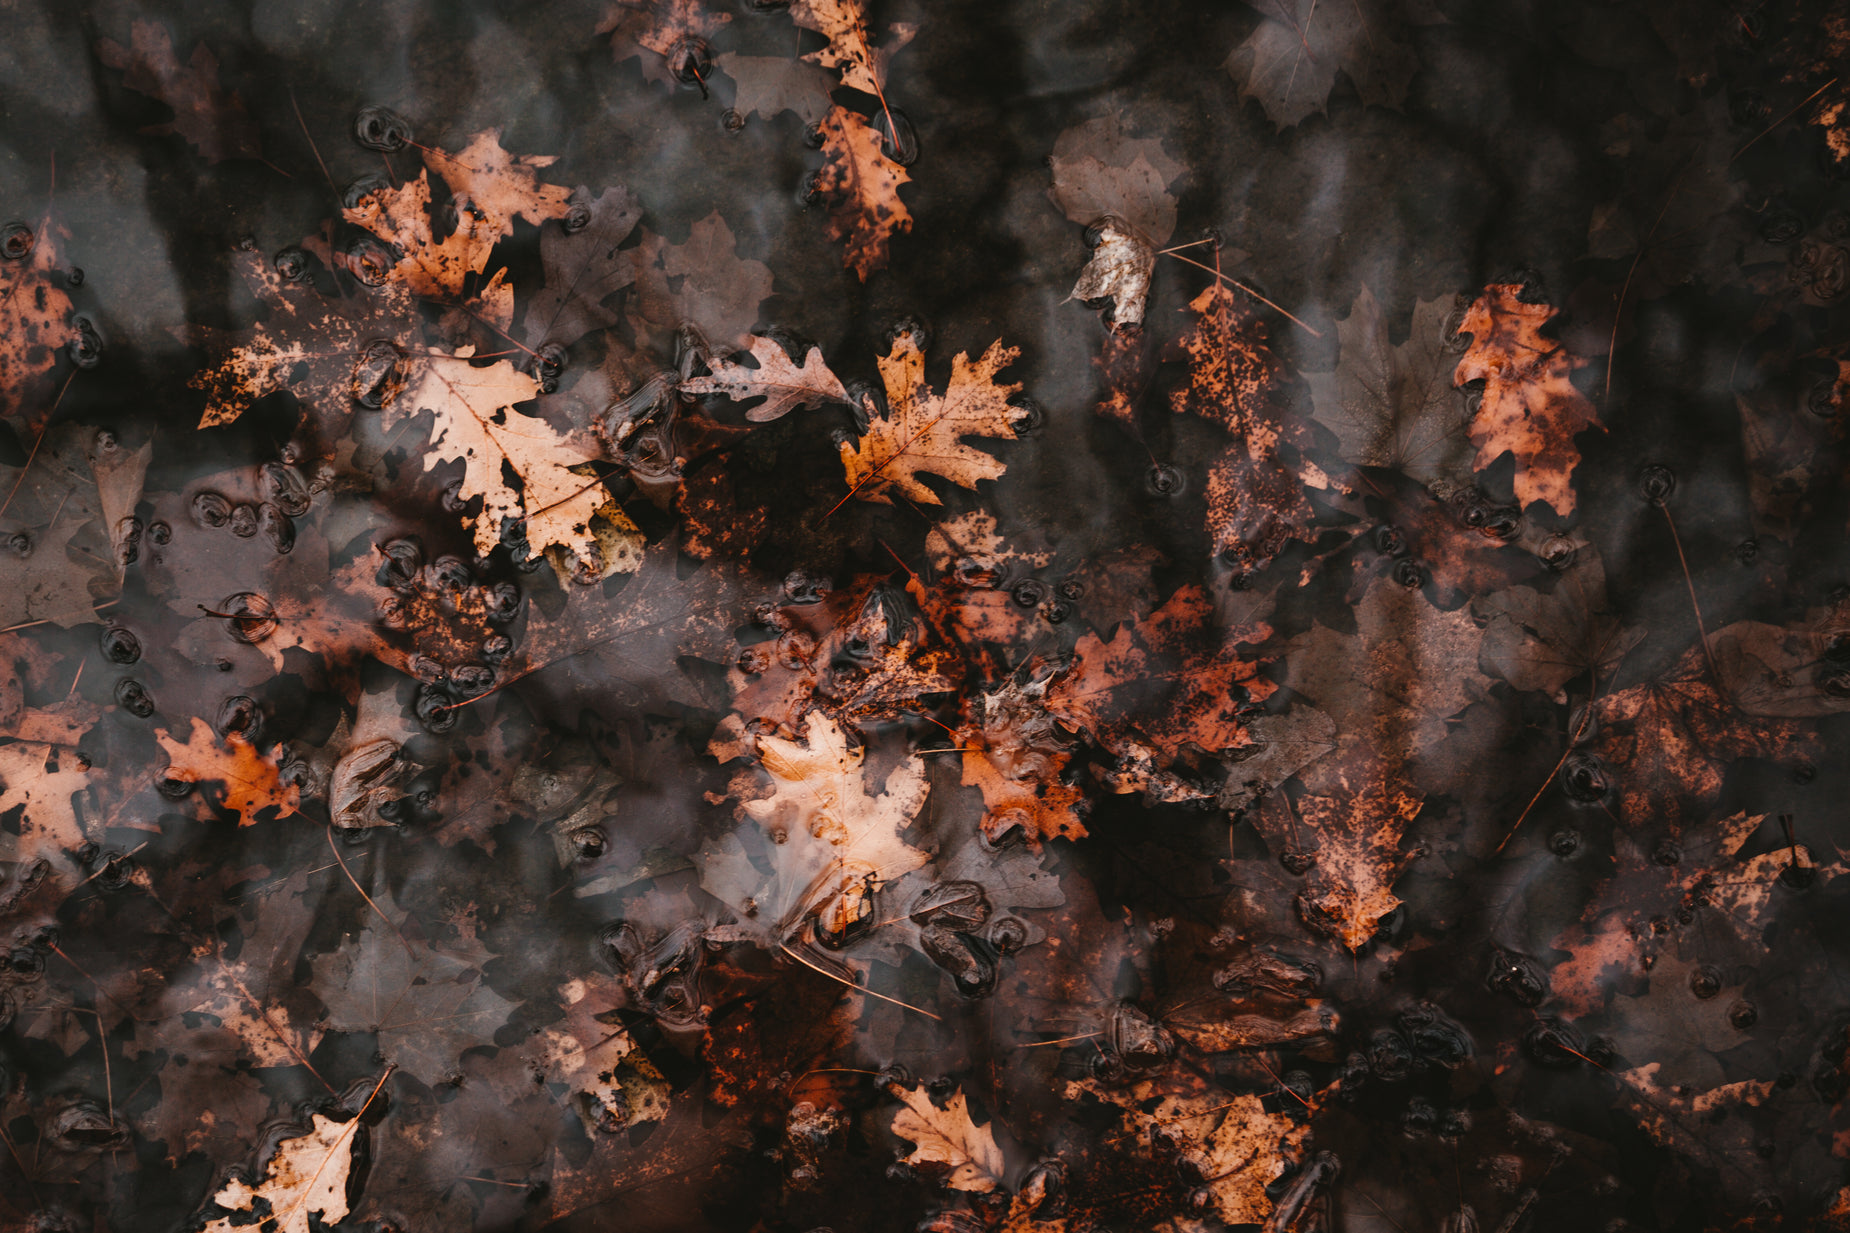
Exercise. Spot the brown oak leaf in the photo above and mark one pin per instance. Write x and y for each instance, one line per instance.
(214, 122)
(860, 186)
(844, 24)
(68, 518)
(1256, 501)
(826, 836)
(584, 266)
(491, 188)
(784, 386)
(922, 431)
(35, 322)
(1530, 408)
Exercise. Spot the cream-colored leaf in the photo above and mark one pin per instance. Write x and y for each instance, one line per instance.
(946, 1136)
(307, 1176)
(783, 386)
(476, 424)
(1120, 271)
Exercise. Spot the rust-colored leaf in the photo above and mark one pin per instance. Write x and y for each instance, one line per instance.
(860, 185)
(252, 781)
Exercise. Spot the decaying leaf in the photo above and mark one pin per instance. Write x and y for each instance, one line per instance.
(860, 186)
(1117, 186)
(1015, 757)
(557, 501)
(784, 386)
(1544, 639)
(1394, 405)
(35, 322)
(1531, 407)
(213, 122)
(1256, 501)
(703, 283)
(661, 32)
(829, 839)
(308, 1179)
(490, 187)
(253, 783)
(1290, 61)
(772, 85)
(69, 522)
(922, 431)
(844, 24)
(585, 265)
(945, 1139)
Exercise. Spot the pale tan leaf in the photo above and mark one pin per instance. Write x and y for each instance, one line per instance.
(947, 1137)
(783, 386)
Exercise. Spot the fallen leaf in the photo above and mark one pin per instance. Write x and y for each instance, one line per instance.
(703, 283)
(772, 85)
(1541, 640)
(213, 122)
(69, 523)
(653, 29)
(784, 386)
(844, 24)
(944, 1138)
(860, 186)
(584, 266)
(476, 425)
(1394, 406)
(35, 324)
(252, 781)
(921, 432)
(1530, 407)
(1290, 60)
(306, 1177)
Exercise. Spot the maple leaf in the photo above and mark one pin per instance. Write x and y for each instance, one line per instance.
(252, 781)
(771, 85)
(860, 186)
(1542, 640)
(37, 784)
(922, 432)
(213, 122)
(68, 518)
(584, 265)
(1235, 1144)
(844, 24)
(35, 322)
(657, 27)
(426, 1005)
(703, 283)
(324, 349)
(1256, 501)
(476, 425)
(784, 386)
(1179, 677)
(826, 837)
(1673, 737)
(491, 188)
(1530, 408)
(306, 1176)
(946, 1140)
(1290, 60)
(1395, 406)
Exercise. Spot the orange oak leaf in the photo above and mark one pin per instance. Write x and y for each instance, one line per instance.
(1357, 818)
(1256, 501)
(324, 349)
(491, 188)
(35, 321)
(783, 385)
(670, 32)
(252, 780)
(1014, 756)
(860, 186)
(215, 122)
(844, 24)
(922, 432)
(1531, 408)
(476, 424)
